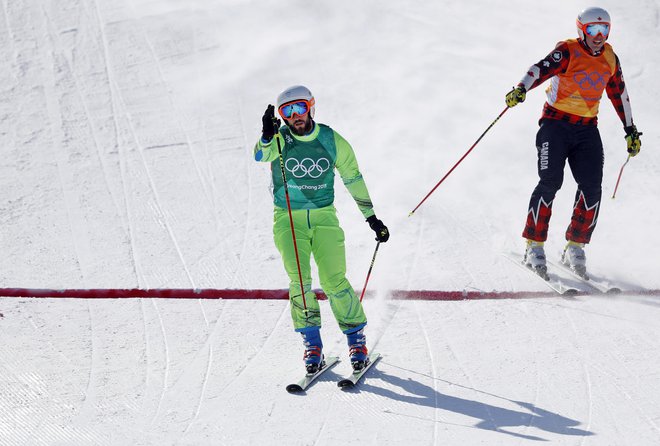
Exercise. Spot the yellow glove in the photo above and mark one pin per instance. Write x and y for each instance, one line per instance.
(515, 96)
(633, 141)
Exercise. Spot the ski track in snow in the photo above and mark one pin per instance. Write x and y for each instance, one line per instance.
(139, 275)
(324, 423)
(79, 91)
(160, 213)
(147, 353)
(113, 92)
(634, 400)
(177, 111)
(250, 359)
(208, 346)
(436, 414)
(12, 38)
(43, 399)
(467, 375)
(211, 184)
(125, 175)
(457, 246)
(54, 112)
(586, 363)
(637, 399)
(89, 397)
(537, 369)
(202, 393)
(248, 216)
(166, 373)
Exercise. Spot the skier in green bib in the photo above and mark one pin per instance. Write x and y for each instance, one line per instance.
(310, 154)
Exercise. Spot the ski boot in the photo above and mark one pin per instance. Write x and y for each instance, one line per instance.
(357, 349)
(534, 258)
(574, 257)
(313, 357)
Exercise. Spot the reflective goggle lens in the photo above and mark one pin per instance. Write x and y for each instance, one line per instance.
(593, 29)
(299, 108)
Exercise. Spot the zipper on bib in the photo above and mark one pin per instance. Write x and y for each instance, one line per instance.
(309, 222)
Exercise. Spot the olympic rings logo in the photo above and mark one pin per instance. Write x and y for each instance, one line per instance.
(307, 167)
(590, 81)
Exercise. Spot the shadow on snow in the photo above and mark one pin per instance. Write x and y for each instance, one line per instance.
(490, 417)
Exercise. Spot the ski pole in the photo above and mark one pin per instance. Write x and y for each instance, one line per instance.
(293, 231)
(373, 259)
(459, 161)
(619, 178)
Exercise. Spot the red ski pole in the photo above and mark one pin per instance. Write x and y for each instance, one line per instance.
(459, 161)
(373, 259)
(293, 231)
(619, 178)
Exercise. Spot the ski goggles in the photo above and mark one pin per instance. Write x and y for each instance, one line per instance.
(593, 29)
(299, 107)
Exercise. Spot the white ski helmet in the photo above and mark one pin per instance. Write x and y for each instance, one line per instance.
(593, 14)
(295, 93)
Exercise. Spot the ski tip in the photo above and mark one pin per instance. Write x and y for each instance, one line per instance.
(345, 384)
(570, 292)
(294, 388)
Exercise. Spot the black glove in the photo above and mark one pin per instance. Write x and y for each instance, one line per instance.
(270, 124)
(632, 140)
(382, 233)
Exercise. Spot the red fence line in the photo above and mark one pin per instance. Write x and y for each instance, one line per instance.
(160, 293)
(174, 293)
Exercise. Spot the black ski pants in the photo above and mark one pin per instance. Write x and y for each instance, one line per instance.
(557, 142)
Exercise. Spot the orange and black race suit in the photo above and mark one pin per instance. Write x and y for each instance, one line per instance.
(568, 132)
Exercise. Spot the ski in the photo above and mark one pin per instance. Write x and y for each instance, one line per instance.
(554, 282)
(308, 379)
(351, 380)
(595, 283)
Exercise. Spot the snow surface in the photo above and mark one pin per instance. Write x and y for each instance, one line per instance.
(126, 133)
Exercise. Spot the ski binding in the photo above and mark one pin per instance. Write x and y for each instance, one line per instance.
(307, 381)
(351, 380)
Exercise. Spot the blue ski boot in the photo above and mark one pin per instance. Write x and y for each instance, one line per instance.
(313, 356)
(357, 349)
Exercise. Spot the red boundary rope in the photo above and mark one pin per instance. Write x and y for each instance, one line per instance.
(173, 293)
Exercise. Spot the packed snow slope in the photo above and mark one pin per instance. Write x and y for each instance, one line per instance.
(126, 133)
